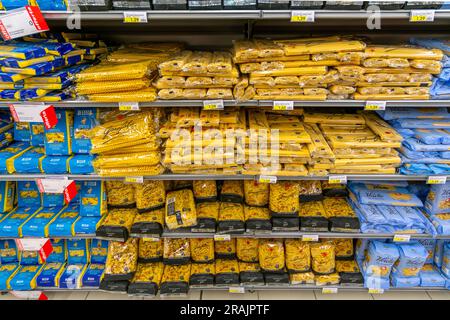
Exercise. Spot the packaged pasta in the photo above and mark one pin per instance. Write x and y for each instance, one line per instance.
(120, 194)
(204, 190)
(256, 194)
(150, 250)
(310, 190)
(227, 272)
(49, 275)
(323, 257)
(247, 249)
(207, 216)
(117, 224)
(271, 255)
(150, 195)
(250, 273)
(411, 260)
(202, 250)
(202, 274)
(225, 249)
(379, 259)
(232, 191)
(343, 249)
(182, 184)
(257, 219)
(175, 280)
(302, 278)
(298, 255)
(180, 209)
(284, 199)
(341, 216)
(121, 262)
(58, 139)
(334, 189)
(313, 217)
(328, 280)
(176, 251)
(147, 279)
(93, 201)
(349, 272)
(231, 217)
(148, 223)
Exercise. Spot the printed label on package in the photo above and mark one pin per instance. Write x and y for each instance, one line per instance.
(22, 22)
(303, 16)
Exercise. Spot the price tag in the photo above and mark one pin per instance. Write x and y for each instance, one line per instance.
(303, 16)
(30, 112)
(267, 179)
(32, 295)
(310, 237)
(135, 17)
(53, 185)
(329, 290)
(421, 16)
(283, 105)
(437, 180)
(376, 291)
(22, 22)
(213, 105)
(129, 106)
(43, 245)
(222, 237)
(402, 238)
(375, 105)
(134, 179)
(150, 239)
(236, 290)
(337, 179)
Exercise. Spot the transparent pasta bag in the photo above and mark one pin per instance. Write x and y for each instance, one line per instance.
(175, 280)
(257, 219)
(227, 272)
(231, 218)
(176, 251)
(202, 250)
(121, 261)
(232, 191)
(225, 249)
(256, 194)
(271, 255)
(150, 251)
(205, 190)
(284, 199)
(180, 209)
(323, 257)
(120, 194)
(344, 249)
(247, 249)
(117, 224)
(147, 279)
(148, 224)
(207, 217)
(310, 191)
(202, 274)
(298, 255)
(150, 195)
(250, 273)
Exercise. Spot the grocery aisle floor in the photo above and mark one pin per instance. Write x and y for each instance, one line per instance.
(261, 295)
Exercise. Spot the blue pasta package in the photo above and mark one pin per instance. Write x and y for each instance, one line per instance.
(81, 164)
(376, 282)
(412, 256)
(20, 50)
(49, 275)
(99, 251)
(59, 253)
(93, 276)
(30, 161)
(93, 199)
(53, 200)
(72, 275)
(28, 194)
(11, 225)
(429, 245)
(56, 164)
(7, 271)
(7, 196)
(38, 225)
(8, 154)
(84, 120)
(63, 226)
(37, 134)
(14, 4)
(78, 251)
(404, 282)
(438, 199)
(431, 277)
(58, 140)
(87, 225)
(379, 259)
(445, 268)
(24, 278)
(8, 252)
(389, 198)
(22, 131)
(30, 258)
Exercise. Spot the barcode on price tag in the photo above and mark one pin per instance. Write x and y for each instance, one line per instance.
(222, 237)
(310, 237)
(267, 179)
(329, 290)
(236, 290)
(375, 105)
(283, 105)
(437, 180)
(337, 179)
(134, 179)
(213, 105)
(402, 238)
(129, 106)
(22, 22)
(421, 16)
(303, 16)
(376, 291)
(135, 17)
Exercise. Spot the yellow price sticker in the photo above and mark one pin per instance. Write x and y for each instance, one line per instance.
(267, 179)
(151, 239)
(402, 238)
(213, 105)
(280, 107)
(236, 290)
(375, 105)
(210, 107)
(129, 106)
(329, 290)
(437, 180)
(134, 179)
(310, 237)
(376, 291)
(419, 18)
(299, 18)
(222, 237)
(303, 16)
(131, 20)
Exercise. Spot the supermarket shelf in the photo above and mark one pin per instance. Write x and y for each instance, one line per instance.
(252, 103)
(354, 177)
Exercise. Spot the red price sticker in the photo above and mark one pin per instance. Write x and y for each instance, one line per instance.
(49, 118)
(70, 192)
(22, 22)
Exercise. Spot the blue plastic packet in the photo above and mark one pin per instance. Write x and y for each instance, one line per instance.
(431, 43)
(38, 225)
(21, 63)
(404, 282)
(55, 96)
(51, 47)
(411, 215)
(81, 164)
(79, 252)
(416, 113)
(438, 199)
(440, 89)
(439, 168)
(22, 131)
(419, 189)
(390, 198)
(49, 275)
(37, 134)
(84, 120)
(445, 268)
(375, 282)
(28, 194)
(430, 245)
(93, 276)
(63, 225)
(99, 251)
(361, 248)
(422, 123)
(30, 258)
(7, 196)
(12, 77)
(57, 140)
(55, 164)
(30, 161)
(7, 271)
(379, 259)
(21, 50)
(416, 145)
(441, 223)
(24, 278)
(431, 277)
(72, 275)
(53, 200)
(11, 225)
(93, 199)
(33, 70)
(439, 252)
(59, 253)
(86, 225)
(418, 155)
(430, 136)
(391, 215)
(412, 257)
(8, 252)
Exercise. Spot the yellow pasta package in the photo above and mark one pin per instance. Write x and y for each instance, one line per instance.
(302, 278)
(231, 217)
(150, 251)
(202, 274)
(323, 257)
(257, 219)
(250, 273)
(298, 255)
(328, 279)
(225, 249)
(202, 250)
(227, 272)
(149, 223)
(176, 251)
(207, 216)
(232, 191)
(175, 280)
(343, 248)
(121, 261)
(247, 249)
(256, 194)
(180, 209)
(271, 255)
(117, 224)
(120, 194)
(147, 279)
(284, 199)
(150, 195)
(204, 190)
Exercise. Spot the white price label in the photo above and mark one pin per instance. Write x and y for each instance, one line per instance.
(134, 179)
(376, 290)
(421, 16)
(236, 290)
(30, 112)
(303, 16)
(337, 179)
(129, 106)
(53, 185)
(213, 105)
(437, 180)
(22, 22)
(329, 290)
(402, 238)
(135, 17)
(267, 179)
(222, 237)
(31, 244)
(375, 105)
(32, 295)
(310, 237)
(283, 105)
